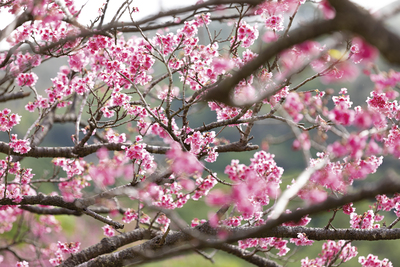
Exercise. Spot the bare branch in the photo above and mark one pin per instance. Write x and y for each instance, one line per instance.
(13, 96)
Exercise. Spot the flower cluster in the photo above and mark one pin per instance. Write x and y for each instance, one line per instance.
(329, 253)
(246, 34)
(373, 261)
(364, 221)
(108, 230)
(266, 244)
(255, 183)
(183, 162)
(138, 151)
(27, 79)
(274, 22)
(129, 216)
(8, 120)
(106, 172)
(203, 186)
(225, 112)
(19, 146)
(301, 240)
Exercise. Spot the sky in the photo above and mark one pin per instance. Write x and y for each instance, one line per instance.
(148, 7)
(373, 4)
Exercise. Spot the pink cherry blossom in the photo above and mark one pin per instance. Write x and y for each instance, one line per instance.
(246, 34)
(275, 22)
(183, 162)
(372, 261)
(108, 230)
(27, 79)
(327, 9)
(196, 222)
(8, 120)
(20, 146)
(362, 51)
(301, 240)
(22, 264)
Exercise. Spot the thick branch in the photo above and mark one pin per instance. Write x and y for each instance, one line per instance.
(63, 211)
(333, 234)
(42, 200)
(176, 243)
(5, 98)
(357, 20)
(389, 185)
(51, 211)
(68, 152)
(108, 245)
(244, 254)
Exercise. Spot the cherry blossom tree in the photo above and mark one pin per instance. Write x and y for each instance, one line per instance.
(130, 89)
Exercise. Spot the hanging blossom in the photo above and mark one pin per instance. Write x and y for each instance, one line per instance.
(294, 106)
(83, 85)
(114, 137)
(47, 224)
(71, 188)
(163, 221)
(71, 166)
(338, 176)
(170, 197)
(72, 247)
(379, 102)
(385, 80)
(197, 221)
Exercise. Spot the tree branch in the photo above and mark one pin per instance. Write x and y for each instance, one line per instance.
(18, 95)
(108, 245)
